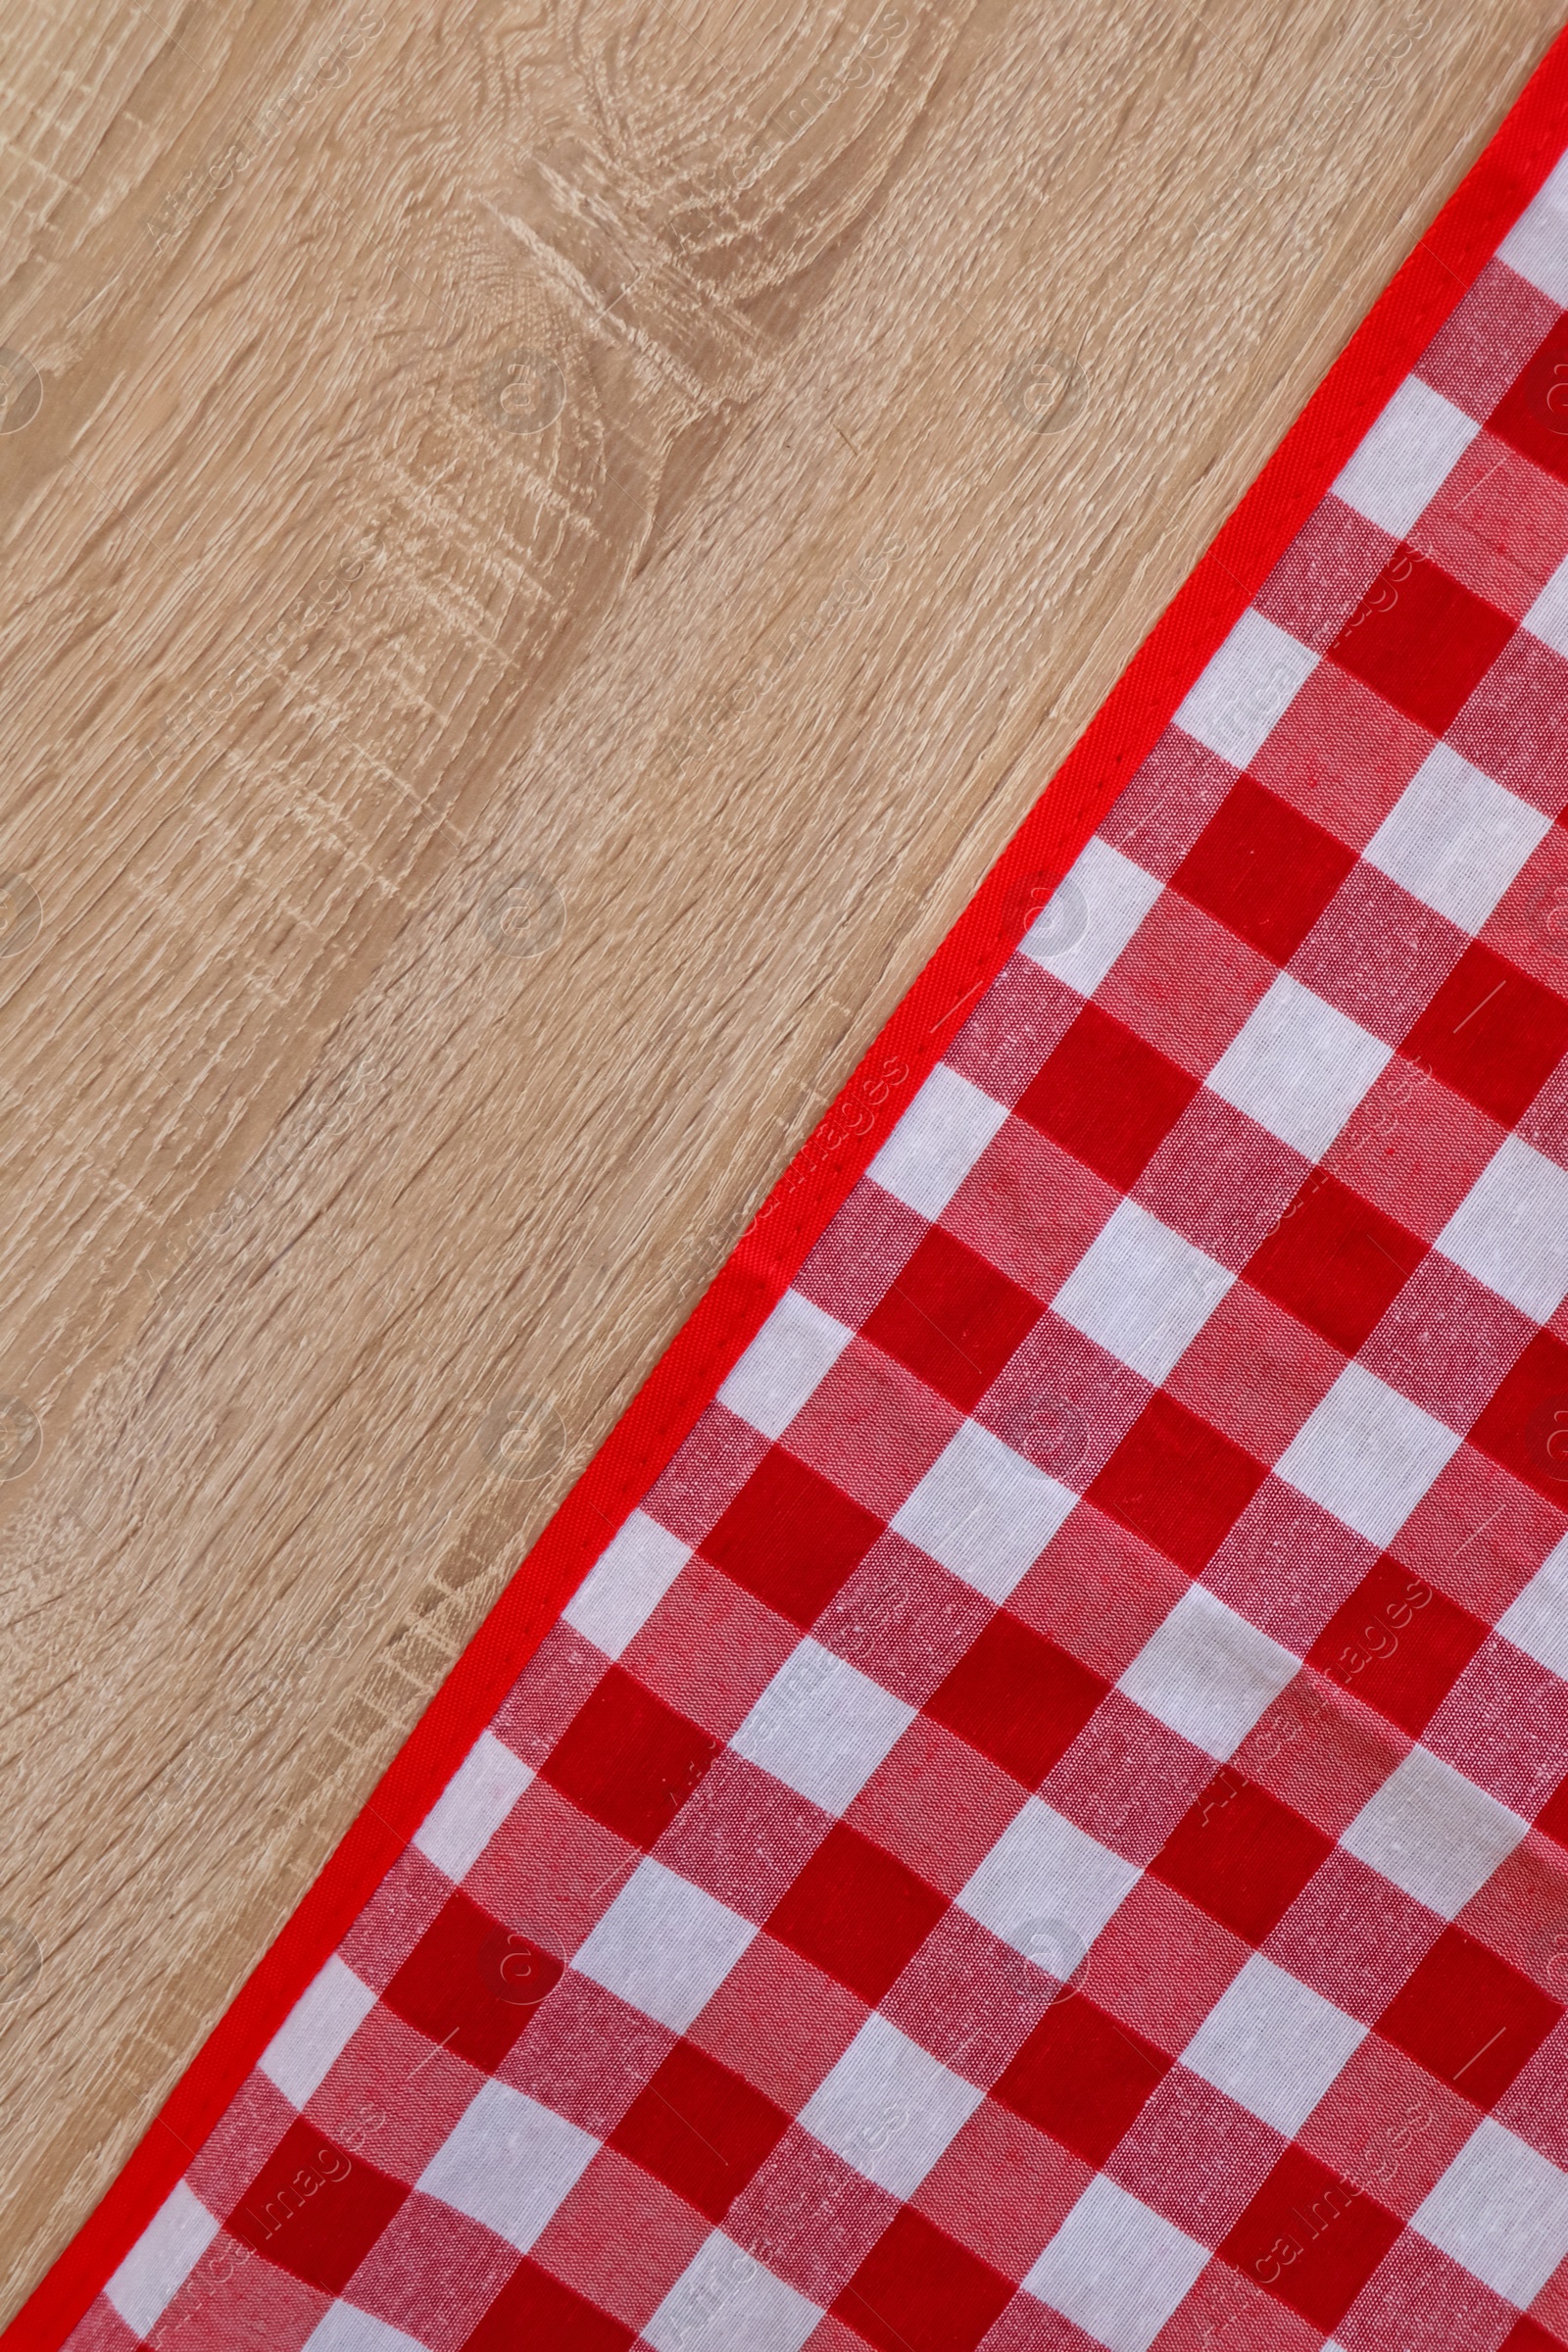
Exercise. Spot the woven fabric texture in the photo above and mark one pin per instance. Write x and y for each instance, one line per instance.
(1048, 1828)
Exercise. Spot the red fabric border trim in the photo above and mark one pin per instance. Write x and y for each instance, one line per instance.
(1384, 349)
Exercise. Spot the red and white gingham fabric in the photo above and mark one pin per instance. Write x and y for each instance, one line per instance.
(1048, 1829)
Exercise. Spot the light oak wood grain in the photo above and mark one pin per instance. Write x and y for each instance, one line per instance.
(558, 542)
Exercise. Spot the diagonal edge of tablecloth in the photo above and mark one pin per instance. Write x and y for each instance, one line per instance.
(1430, 284)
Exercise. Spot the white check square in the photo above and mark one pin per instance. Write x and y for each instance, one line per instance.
(1548, 617)
(724, 2299)
(794, 1349)
(316, 2033)
(1510, 1231)
(508, 2163)
(1142, 1291)
(664, 1945)
(822, 1727)
(627, 1584)
(1536, 1620)
(1367, 1455)
(1116, 2270)
(1454, 839)
(1246, 689)
(161, 2260)
(1435, 1833)
(344, 2327)
(471, 1807)
(1502, 2211)
(937, 1142)
(1273, 2045)
(1207, 1673)
(1092, 917)
(984, 1512)
(889, 2108)
(1045, 1870)
(1298, 1068)
(1406, 458)
(1536, 248)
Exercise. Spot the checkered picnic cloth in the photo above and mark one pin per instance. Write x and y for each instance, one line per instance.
(1048, 1828)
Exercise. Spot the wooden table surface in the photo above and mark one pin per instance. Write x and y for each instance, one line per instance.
(548, 546)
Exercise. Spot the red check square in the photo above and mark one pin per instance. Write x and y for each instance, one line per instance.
(902, 1619)
(1353, 1936)
(1386, 2125)
(628, 1760)
(1397, 1644)
(1108, 1098)
(1003, 2190)
(862, 1249)
(706, 1476)
(428, 2238)
(1083, 2077)
(1254, 1372)
(1421, 640)
(1336, 1262)
(1515, 724)
(1505, 1724)
(1222, 1180)
(621, 2238)
(779, 2021)
(1242, 1856)
(1469, 2018)
(857, 1911)
(1446, 1341)
(938, 1803)
(917, 2278)
(1019, 1698)
(708, 1648)
(1127, 1779)
(472, 1983)
(1029, 1208)
(1311, 2237)
(791, 1538)
(1414, 1147)
(811, 2217)
(1377, 955)
(1194, 2156)
(1099, 1590)
(314, 2210)
(1263, 870)
(1168, 802)
(1324, 573)
(952, 1319)
(585, 2056)
(1533, 413)
(534, 2308)
(700, 2130)
(1493, 331)
(932, 2001)
(1185, 983)
(1022, 1015)
(872, 1427)
(1525, 1427)
(1492, 1033)
(1175, 1481)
